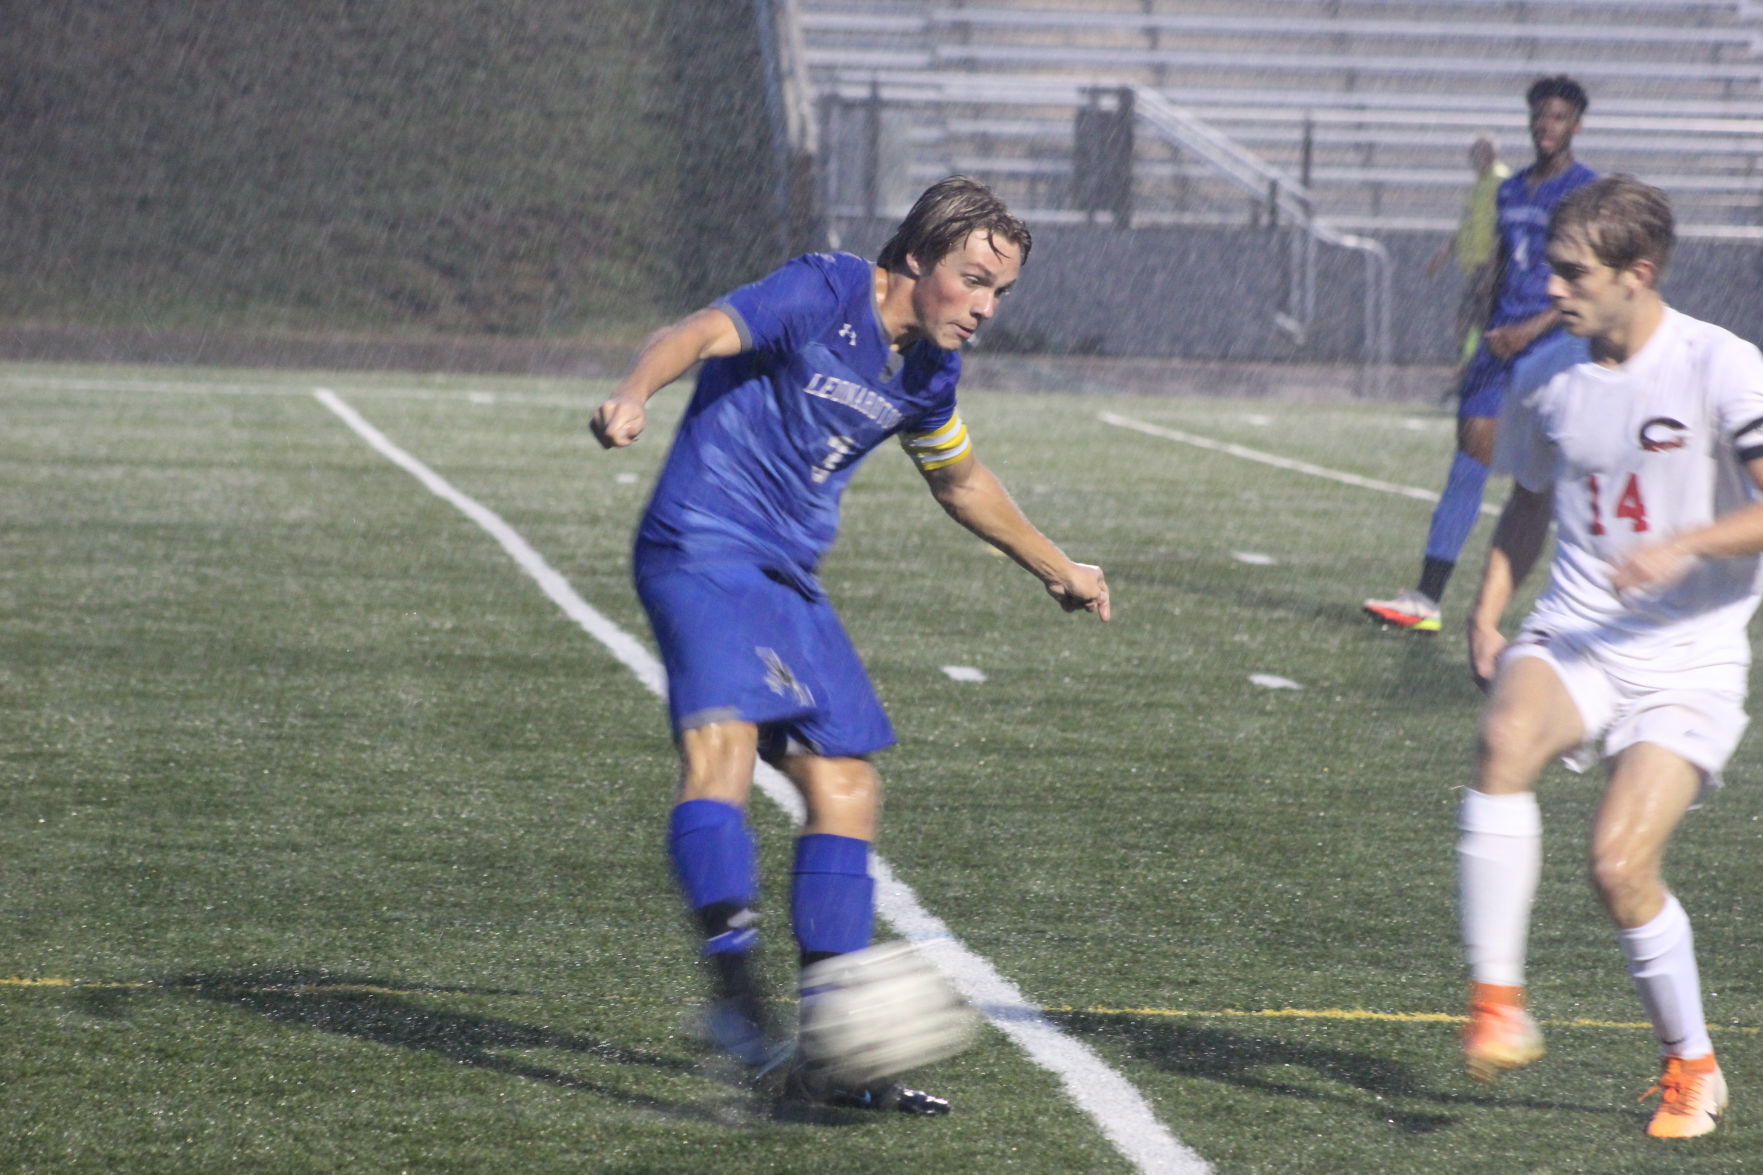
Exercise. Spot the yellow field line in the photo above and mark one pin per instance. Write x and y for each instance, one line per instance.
(297, 988)
(1191, 1013)
(1340, 1014)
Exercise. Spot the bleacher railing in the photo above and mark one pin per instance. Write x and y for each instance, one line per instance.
(1287, 200)
(864, 158)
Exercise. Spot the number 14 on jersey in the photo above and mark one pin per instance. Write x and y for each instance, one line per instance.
(1629, 505)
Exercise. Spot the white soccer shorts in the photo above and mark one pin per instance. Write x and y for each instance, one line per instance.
(1702, 726)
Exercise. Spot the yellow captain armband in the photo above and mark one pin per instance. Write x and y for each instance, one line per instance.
(939, 447)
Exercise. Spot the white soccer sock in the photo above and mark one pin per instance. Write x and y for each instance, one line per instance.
(1499, 858)
(1662, 962)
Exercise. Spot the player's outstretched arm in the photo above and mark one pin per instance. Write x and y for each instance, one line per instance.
(974, 497)
(1518, 540)
(1655, 567)
(668, 354)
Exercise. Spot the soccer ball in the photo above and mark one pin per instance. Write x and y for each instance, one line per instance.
(879, 1011)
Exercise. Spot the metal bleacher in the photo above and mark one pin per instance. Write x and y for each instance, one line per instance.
(1362, 109)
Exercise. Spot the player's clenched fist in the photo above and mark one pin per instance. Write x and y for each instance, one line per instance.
(618, 422)
(1083, 589)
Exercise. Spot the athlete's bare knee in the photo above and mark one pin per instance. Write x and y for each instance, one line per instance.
(1510, 751)
(1626, 877)
(1475, 437)
(1628, 884)
(843, 796)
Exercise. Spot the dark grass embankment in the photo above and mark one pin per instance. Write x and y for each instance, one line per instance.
(510, 168)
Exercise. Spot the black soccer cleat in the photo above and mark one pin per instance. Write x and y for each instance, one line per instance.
(806, 1084)
(889, 1096)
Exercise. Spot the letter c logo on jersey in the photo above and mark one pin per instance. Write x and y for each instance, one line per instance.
(1662, 434)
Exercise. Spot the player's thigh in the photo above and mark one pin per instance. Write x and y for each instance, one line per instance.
(1650, 789)
(1530, 718)
(717, 761)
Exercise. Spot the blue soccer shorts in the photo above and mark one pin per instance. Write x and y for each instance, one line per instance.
(1487, 381)
(741, 644)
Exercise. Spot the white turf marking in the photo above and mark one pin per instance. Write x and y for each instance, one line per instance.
(1116, 1105)
(1272, 681)
(964, 673)
(1287, 463)
(1253, 558)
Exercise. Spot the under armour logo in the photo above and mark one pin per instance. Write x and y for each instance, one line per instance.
(782, 681)
(849, 334)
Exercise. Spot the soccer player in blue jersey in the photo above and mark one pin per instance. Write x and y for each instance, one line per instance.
(1522, 347)
(804, 373)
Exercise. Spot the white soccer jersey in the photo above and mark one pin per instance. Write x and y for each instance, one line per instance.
(1635, 454)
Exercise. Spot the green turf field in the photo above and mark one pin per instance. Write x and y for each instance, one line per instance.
(328, 842)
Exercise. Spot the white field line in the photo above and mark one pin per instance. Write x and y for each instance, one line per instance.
(1278, 462)
(1116, 1105)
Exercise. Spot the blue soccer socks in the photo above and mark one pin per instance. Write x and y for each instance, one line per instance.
(832, 901)
(1454, 517)
(715, 859)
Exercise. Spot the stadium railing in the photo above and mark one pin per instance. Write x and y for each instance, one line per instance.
(1287, 25)
(1203, 154)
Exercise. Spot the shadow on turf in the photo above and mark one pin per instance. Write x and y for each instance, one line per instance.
(384, 1012)
(1249, 1062)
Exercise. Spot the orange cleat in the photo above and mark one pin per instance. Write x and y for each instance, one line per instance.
(1500, 1034)
(1694, 1097)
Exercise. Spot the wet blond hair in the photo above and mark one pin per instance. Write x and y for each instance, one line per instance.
(950, 211)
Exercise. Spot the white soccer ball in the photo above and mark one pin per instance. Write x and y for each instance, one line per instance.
(879, 1011)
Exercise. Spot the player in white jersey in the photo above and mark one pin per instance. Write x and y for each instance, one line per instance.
(1649, 457)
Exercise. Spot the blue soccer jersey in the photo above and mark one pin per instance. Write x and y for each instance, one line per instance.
(772, 435)
(1524, 214)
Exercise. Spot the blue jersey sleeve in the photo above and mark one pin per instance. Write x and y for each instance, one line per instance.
(942, 388)
(788, 307)
(933, 372)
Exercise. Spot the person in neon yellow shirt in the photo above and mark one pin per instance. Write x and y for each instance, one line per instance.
(1473, 246)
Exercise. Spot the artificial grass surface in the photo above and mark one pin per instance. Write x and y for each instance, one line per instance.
(341, 844)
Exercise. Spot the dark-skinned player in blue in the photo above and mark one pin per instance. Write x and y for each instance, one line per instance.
(1522, 347)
